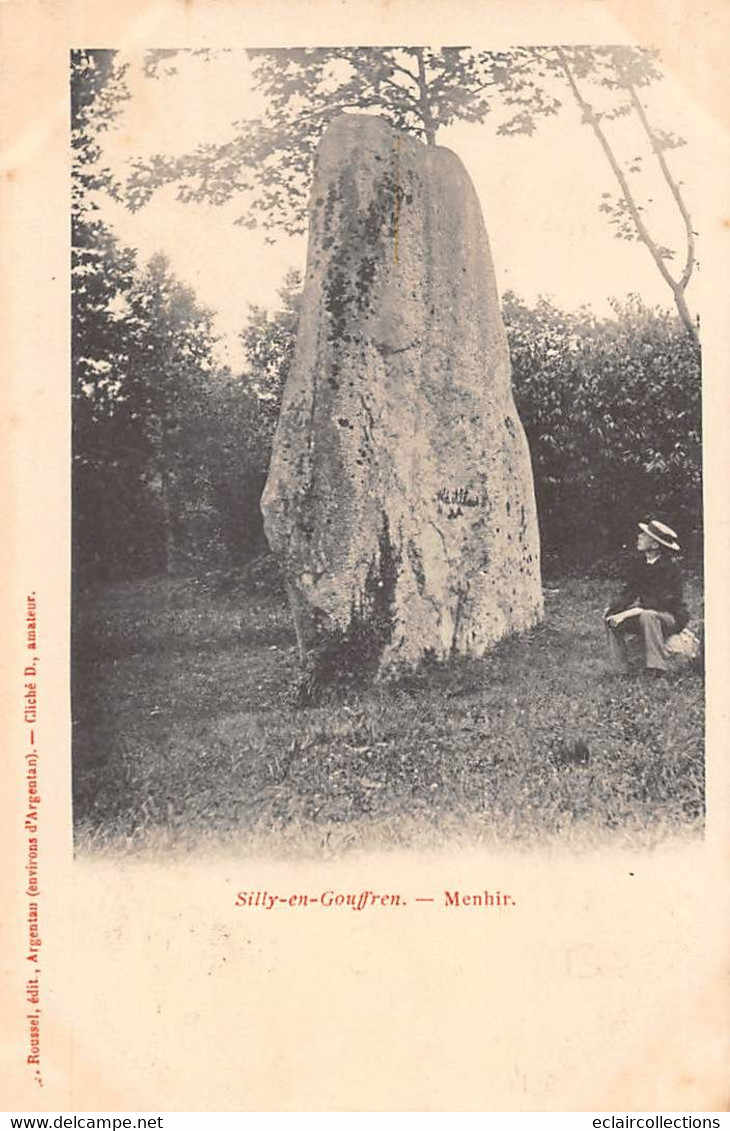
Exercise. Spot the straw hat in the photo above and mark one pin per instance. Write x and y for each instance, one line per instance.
(662, 534)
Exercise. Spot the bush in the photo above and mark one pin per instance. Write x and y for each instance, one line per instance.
(170, 465)
(612, 411)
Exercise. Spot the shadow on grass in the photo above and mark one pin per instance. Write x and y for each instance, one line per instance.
(202, 739)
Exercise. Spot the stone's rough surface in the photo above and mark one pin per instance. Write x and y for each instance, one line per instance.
(400, 496)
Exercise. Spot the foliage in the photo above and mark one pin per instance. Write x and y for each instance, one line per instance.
(611, 406)
(268, 342)
(111, 524)
(243, 413)
(418, 89)
(108, 448)
(422, 90)
(98, 89)
(171, 451)
(612, 411)
(144, 395)
(171, 454)
(141, 362)
(606, 85)
(171, 370)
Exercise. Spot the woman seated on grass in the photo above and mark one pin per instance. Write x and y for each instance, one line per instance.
(650, 605)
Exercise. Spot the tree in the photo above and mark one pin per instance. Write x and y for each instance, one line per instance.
(165, 390)
(113, 519)
(109, 449)
(241, 415)
(98, 90)
(268, 342)
(420, 90)
(612, 408)
(101, 271)
(142, 364)
(621, 73)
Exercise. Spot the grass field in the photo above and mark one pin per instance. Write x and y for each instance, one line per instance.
(187, 734)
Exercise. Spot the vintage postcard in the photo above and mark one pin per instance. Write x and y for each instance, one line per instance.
(366, 600)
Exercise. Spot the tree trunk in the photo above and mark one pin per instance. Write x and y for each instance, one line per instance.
(424, 101)
(684, 313)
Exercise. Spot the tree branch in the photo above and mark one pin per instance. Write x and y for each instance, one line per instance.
(673, 186)
(535, 56)
(403, 70)
(402, 90)
(591, 117)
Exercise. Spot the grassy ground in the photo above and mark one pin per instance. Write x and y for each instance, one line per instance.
(187, 733)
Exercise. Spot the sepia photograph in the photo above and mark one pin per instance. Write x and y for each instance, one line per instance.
(387, 459)
(367, 607)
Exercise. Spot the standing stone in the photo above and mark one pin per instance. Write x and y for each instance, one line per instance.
(400, 498)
